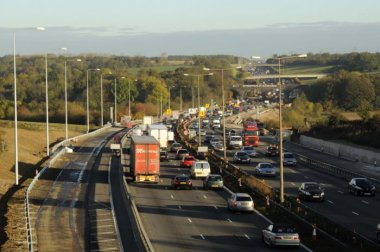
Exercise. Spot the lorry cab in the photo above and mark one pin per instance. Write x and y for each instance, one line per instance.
(200, 169)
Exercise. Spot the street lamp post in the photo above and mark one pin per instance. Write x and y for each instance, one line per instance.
(280, 123)
(66, 113)
(223, 108)
(47, 106)
(101, 99)
(15, 102)
(87, 98)
(199, 104)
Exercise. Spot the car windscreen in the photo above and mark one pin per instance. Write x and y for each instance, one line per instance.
(288, 156)
(243, 198)
(189, 158)
(312, 187)
(266, 166)
(182, 151)
(362, 182)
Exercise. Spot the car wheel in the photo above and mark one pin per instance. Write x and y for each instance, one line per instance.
(270, 243)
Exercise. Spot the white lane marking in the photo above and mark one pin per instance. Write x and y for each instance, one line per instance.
(322, 184)
(189, 220)
(179, 207)
(171, 196)
(306, 177)
(340, 192)
(204, 196)
(365, 202)
(216, 207)
(203, 238)
(329, 201)
(229, 220)
(293, 171)
(355, 213)
(246, 236)
(293, 184)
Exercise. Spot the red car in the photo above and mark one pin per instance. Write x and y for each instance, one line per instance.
(187, 161)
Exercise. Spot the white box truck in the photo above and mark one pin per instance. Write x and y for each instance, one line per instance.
(160, 132)
(147, 120)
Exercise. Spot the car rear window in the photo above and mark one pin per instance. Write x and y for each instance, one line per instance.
(189, 158)
(284, 230)
(202, 165)
(182, 178)
(215, 178)
(182, 151)
(243, 198)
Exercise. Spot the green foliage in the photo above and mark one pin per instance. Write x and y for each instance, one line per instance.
(350, 91)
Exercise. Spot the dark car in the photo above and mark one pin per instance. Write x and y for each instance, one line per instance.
(271, 151)
(241, 157)
(182, 181)
(361, 186)
(311, 191)
(164, 155)
(378, 233)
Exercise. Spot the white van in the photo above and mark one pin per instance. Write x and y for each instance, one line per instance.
(200, 169)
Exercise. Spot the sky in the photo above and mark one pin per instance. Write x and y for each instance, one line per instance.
(187, 27)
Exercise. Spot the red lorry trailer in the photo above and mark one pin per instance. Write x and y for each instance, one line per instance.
(250, 133)
(145, 159)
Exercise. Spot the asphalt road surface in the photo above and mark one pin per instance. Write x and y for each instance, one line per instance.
(194, 220)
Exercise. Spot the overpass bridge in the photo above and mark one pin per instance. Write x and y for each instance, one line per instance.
(286, 76)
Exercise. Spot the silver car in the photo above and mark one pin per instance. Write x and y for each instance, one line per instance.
(213, 181)
(289, 159)
(240, 202)
(280, 235)
(249, 150)
(265, 169)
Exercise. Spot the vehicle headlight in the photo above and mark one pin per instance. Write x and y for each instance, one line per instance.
(307, 193)
(373, 188)
(322, 193)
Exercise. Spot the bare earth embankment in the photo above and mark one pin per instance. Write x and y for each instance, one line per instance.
(32, 154)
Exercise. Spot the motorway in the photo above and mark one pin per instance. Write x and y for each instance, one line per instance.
(194, 220)
(71, 205)
(355, 213)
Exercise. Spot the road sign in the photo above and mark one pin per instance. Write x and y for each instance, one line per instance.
(202, 113)
(168, 112)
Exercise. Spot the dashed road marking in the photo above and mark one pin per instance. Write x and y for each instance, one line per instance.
(340, 192)
(216, 207)
(365, 202)
(179, 207)
(355, 213)
(204, 196)
(189, 220)
(329, 201)
(229, 220)
(306, 177)
(171, 196)
(246, 236)
(203, 238)
(292, 183)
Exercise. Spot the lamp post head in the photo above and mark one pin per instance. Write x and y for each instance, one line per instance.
(185, 74)
(302, 55)
(206, 69)
(40, 28)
